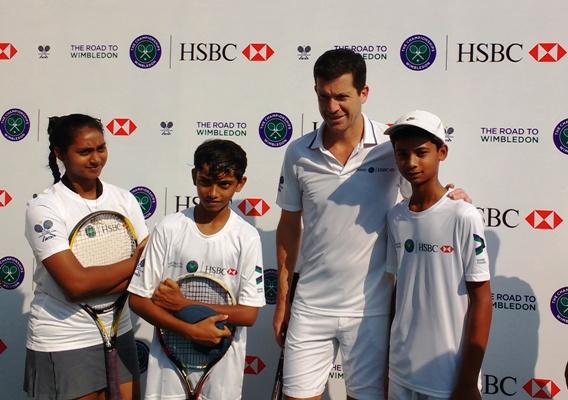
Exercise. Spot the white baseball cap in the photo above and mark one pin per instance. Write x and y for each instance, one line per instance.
(422, 119)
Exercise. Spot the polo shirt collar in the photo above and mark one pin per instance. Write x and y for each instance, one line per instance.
(369, 136)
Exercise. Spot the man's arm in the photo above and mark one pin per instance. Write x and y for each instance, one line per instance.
(205, 332)
(477, 327)
(288, 236)
(169, 297)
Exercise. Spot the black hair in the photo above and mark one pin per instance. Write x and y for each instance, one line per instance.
(334, 63)
(414, 131)
(61, 131)
(222, 157)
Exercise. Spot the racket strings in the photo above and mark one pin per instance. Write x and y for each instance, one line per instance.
(102, 240)
(190, 354)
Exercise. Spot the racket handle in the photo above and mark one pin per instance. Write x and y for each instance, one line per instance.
(113, 382)
(277, 388)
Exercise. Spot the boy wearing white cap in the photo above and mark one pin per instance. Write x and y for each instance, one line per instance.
(437, 253)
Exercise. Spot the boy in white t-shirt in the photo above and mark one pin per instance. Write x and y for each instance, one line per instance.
(437, 252)
(209, 238)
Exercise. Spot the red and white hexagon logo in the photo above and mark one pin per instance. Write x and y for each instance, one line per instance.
(547, 52)
(446, 248)
(5, 198)
(253, 365)
(7, 51)
(544, 219)
(541, 388)
(254, 207)
(258, 52)
(121, 126)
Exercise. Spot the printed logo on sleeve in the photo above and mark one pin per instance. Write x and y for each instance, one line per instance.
(45, 230)
(479, 244)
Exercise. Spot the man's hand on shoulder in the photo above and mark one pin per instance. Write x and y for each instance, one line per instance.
(458, 194)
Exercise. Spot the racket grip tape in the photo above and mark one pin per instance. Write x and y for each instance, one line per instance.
(113, 381)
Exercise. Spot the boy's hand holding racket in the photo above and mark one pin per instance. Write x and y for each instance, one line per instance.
(169, 296)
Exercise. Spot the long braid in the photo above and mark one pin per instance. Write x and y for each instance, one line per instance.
(52, 131)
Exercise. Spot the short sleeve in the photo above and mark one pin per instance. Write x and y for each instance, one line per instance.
(45, 230)
(149, 270)
(251, 291)
(137, 218)
(392, 259)
(474, 247)
(289, 196)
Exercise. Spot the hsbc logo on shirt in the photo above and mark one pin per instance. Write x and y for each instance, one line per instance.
(7, 51)
(547, 52)
(258, 52)
(411, 246)
(541, 388)
(253, 365)
(121, 126)
(5, 198)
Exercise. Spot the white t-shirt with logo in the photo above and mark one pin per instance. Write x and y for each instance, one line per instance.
(433, 254)
(233, 255)
(344, 210)
(55, 324)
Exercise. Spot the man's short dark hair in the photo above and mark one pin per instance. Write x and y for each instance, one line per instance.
(222, 157)
(334, 63)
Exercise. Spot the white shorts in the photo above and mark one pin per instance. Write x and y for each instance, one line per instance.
(398, 392)
(312, 342)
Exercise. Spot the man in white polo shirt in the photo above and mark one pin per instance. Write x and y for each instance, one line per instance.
(339, 181)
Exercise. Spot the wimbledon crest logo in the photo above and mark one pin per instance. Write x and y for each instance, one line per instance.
(146, 200)
(145, 51)
(409, 245)
(11, 272)
(559, 305)
(560, 136)
(275, 129)
(418, 52)
(15, 124)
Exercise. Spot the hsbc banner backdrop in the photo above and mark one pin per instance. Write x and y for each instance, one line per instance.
(163, 78)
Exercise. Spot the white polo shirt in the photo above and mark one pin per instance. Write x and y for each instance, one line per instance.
(344, 208)
(433, 254)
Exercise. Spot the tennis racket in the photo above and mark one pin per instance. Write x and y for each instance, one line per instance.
(193, 364)
(277, 388)
(102, 238)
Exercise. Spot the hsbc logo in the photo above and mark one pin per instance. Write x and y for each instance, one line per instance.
(5, 198)
(544, 219)
(7, 51)
(547, 52)
(254, 207)
(253, 365)
(258, 52)
(232, 272)
(121, 126)
(494, 217)
(446, 249)
(208, 52)
(489, 52)
(541, 388)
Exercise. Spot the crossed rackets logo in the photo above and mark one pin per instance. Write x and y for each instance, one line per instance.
(145, 51)
(15, 124)
(44, 230)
